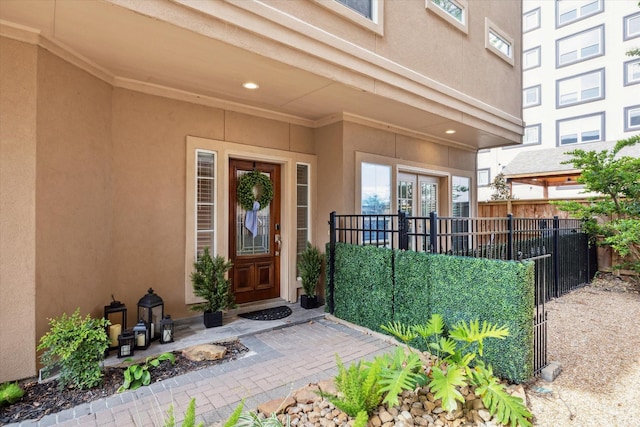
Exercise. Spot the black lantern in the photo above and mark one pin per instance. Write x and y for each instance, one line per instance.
(126, 344)
(151, 309)
(141, 335)
(166, 329)
(116, 314)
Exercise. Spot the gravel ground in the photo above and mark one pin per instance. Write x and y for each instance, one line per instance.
(594, 334)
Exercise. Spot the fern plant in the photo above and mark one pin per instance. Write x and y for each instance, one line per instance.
(456, 352)
(189, 416)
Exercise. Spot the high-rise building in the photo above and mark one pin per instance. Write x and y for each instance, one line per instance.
(579, 87)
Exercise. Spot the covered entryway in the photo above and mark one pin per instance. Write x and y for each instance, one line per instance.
(254, 236)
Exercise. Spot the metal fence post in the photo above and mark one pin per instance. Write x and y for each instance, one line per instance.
(433, 232)
(556, 257)
(510, 237)
(332, 259)
(403, 230)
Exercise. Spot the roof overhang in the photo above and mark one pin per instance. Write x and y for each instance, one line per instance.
(203, 51)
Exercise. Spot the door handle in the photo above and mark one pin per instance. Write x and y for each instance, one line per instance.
(278, 240)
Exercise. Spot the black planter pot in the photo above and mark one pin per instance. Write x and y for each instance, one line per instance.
(308, 302)
(212, 319)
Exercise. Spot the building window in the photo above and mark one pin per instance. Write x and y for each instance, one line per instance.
(531, 97)
(452, 11)
(568, 11)
(632, 118)
(365, 13)
(375, 186)
(498, 42)
(460, 196)
(531, 20)
(579, 47)
(531, 58)
(632, 26)
(577, 130)
(484, 177)
(531, 135)
(302, 208)
(205, 201)
(363, 7)
(632, 72)
(585, 87)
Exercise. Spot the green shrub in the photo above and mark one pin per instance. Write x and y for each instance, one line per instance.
(310, 267)
(135, 376)
(363, 292)
(77, 346)
(211, 283)
(10, 393)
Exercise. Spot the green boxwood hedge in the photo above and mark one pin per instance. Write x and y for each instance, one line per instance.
(375, 285)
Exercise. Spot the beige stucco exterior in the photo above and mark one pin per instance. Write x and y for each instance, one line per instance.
(97, 138)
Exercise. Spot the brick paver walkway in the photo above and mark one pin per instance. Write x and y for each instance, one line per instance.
(280, 361)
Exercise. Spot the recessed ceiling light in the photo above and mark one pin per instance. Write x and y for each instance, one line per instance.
(250, 85)
(450, 131)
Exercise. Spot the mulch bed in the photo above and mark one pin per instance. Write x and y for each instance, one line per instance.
(43, 399)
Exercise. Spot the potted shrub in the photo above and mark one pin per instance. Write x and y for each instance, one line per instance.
(210, 283)
(309, 267)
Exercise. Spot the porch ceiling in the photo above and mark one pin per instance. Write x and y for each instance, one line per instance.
(137, 50)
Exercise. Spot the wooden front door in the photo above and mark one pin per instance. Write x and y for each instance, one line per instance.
(256, 258)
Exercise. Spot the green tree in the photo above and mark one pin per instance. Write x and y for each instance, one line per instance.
(615, 212)
(501, 189)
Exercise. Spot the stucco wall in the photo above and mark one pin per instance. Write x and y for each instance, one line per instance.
(18, 87)
(73, 191)
(444, 53)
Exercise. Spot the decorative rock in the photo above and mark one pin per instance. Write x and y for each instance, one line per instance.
(277, 406)
(307, 394)
(518, 391)
(328, 386)
(198, 353)
(385, 416)
(484, 414)
(429, 406)
(375, 421)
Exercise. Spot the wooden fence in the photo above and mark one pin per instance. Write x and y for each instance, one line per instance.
(521, 209)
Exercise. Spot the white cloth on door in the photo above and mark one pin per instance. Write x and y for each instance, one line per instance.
(251, 219)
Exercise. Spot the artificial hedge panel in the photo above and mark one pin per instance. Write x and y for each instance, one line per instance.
(363, 289)
(412, 292)
(500, 292)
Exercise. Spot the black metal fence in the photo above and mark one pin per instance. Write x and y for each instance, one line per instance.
(564, 259)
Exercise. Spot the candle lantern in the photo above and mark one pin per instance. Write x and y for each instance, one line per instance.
(151, 309)
(166, 329)
(126, 344)
(116, 314)
(141, 334)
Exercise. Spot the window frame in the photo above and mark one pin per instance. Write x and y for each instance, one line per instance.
(488, 171)
(539, 141)
(538, 88)
(214, 204)
(578, 34)
(601, 71)
(375, 24)
(626, 66)
(625, 20)
(463, 25)
(577, 18)
(538, 13)
(490, 27)
(308, 228)
(627, 125)
(539, 62)
(575, 118)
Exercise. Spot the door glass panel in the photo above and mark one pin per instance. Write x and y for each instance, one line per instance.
(405, 196)
(247, 243)
(428, 198)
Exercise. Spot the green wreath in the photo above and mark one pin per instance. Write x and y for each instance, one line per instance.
(247, 183)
